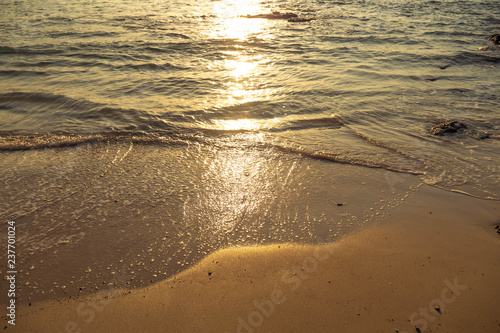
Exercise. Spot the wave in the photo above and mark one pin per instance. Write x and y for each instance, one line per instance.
(57, 112)
(152, 67)
(18, 141)
(64, 63)
(300, 124)
(89, 34)
(47, 98)
(44, 49)
(467, 58)
(462, 58)
(22, 73)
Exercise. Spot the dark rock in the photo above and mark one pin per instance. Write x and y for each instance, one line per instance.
(291, 17)
(452, 127)
(483, 135)
(449, 127)
(495, 39)
(273, 16)
(497, 228)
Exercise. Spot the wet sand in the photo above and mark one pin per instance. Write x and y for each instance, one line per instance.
(427, 259)
(438, 272)
(89, 214)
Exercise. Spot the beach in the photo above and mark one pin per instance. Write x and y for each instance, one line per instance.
(386, 278)
(425, 258)
(249, 166)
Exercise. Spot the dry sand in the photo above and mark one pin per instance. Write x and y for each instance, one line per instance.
(434, 263)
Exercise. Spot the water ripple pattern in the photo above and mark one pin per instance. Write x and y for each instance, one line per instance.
(362, 82)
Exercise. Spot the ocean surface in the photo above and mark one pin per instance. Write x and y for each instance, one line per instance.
(362, 83)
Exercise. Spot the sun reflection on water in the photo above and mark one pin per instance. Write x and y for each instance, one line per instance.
(242, 66)
(245, 124)
(235, 185)
(233, 26)
(236, 182)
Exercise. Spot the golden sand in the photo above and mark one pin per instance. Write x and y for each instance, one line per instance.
(433, 265)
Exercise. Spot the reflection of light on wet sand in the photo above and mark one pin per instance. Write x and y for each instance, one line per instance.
(234, 188)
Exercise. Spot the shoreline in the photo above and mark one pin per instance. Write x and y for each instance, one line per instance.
(432, 264)
(88, 214)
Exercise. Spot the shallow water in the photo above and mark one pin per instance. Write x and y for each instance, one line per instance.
(88, 214)
(362, 83)
(140, 136)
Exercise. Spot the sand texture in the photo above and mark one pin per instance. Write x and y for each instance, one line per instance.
(432, 266)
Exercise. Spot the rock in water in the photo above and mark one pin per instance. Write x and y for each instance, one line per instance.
(291, 17)
(273, 16)
(449, 127)
(495, 39)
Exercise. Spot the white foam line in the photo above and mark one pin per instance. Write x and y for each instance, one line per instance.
(128, 151)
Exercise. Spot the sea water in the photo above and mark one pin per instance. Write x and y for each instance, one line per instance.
(361, 83)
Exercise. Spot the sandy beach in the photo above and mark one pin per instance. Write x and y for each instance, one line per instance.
(430, 264)
(249, 166)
